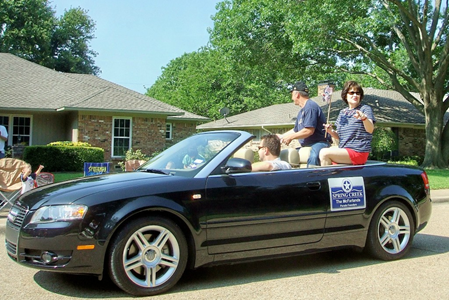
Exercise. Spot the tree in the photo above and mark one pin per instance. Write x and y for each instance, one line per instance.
(190, 82)
(247, 66)
(402, 43)
(252, 35)
(29, 29)
(205, 81)
(25, 29)
(70, 40)
(395, 44)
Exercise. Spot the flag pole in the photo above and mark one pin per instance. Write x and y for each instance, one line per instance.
(327, 96)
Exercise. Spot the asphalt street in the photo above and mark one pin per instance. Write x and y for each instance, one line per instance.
(422, 274)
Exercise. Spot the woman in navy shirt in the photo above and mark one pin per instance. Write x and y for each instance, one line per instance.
(355, 126)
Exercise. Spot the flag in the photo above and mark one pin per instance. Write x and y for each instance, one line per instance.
(327, 95)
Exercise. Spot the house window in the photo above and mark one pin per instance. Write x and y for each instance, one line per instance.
(21, 130)
(168, 131)
(121, 140)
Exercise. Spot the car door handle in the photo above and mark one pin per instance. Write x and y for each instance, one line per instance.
(314, 186)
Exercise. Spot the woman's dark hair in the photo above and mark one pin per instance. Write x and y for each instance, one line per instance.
(351, 85)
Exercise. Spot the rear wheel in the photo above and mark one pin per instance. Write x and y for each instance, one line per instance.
(391, 231)
(148, 256)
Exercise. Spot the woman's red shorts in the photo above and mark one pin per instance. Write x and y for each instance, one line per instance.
(357, 158)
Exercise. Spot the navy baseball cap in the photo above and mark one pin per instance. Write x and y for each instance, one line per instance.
(298, 86)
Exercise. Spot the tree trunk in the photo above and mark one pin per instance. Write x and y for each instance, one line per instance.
(445, 143)
(434, 138)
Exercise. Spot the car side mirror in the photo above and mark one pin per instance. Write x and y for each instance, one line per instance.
(237, 165)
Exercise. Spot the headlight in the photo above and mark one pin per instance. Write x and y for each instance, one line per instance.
(48, 214)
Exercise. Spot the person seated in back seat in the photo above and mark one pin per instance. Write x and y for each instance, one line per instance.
(269, 150)
(355, 126)
(308, 127)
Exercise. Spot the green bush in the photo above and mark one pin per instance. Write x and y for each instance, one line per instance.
(408, 160)
(62, 158)
(384, 140)
(70, 144)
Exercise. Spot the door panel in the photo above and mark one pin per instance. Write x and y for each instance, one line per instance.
(264, 209)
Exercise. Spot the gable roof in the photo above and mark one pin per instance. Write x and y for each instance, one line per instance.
(390, 109)
(25, 85)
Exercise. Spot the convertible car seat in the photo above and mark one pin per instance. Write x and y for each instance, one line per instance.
(296, 158)
(245, 153)
(291, 156)
(10, 184)
(304, 153)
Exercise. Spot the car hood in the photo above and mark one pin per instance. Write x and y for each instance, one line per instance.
(134, 183)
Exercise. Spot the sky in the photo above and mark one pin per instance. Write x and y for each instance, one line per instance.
(134, 39)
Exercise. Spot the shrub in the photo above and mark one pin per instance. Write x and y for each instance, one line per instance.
(408, 160)
(62, 158)
(384, 140)
(69, 144)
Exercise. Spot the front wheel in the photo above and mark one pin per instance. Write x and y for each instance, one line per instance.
(148, 256)
(391, 231)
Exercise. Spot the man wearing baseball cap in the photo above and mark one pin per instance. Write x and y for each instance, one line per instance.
(308, 128)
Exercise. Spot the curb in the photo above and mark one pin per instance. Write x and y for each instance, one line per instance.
(440, 199)
(439, 196)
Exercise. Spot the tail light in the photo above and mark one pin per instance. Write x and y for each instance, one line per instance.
(425, 179)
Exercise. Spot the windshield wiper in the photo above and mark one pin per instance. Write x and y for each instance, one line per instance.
(156, 171)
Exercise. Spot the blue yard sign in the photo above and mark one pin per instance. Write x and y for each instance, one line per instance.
(91, 168)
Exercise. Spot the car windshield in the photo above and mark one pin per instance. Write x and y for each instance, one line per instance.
(190, 155)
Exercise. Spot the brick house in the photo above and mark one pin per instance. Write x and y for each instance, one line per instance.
(39, 105)
(390, 110)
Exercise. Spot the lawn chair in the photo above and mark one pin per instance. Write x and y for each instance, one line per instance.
(10, 183)
(44, 178)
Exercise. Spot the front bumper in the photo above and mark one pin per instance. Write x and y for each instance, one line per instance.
(51, 247)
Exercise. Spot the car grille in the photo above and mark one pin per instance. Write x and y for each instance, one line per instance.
(16, 216)
(15, 220)
(11, 248)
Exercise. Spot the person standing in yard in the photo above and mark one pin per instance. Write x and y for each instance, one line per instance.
(3, 139)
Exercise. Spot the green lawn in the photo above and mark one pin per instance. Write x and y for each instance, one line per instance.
(439, 179)
(63, 176)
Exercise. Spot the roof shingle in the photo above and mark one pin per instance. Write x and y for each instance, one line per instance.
(389, 108)
(26, 85)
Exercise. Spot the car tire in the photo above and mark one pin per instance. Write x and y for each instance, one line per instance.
(391, 231)
(148, 256)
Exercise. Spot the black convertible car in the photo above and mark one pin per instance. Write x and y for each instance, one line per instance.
(196, 204)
